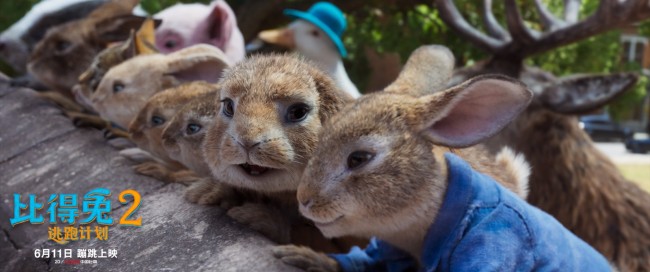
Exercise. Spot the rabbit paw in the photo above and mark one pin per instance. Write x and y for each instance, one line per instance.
(305, 258)
(209, 192)
(264, 219)
(121, 143)
(113, 132)
(137, 155)
(154, 170)
(185, 177)
(80, 119)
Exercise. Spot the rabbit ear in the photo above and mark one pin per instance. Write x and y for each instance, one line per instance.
(427, 70)
(138, 123)
(468, 113)
(112, 9)
(584, 94)
(331, 98)
(145, 38)
(117, 29)
(128, 48)
(74, 10)
(199, 62)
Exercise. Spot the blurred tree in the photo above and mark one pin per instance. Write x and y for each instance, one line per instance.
(153, 6)
(12, 11)
(402, 25)
(392, 26)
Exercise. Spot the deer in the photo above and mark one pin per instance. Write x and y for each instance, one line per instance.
(570, 178)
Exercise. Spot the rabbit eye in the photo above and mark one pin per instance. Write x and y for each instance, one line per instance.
(358, 159)
(170, 44)
(315, 33)
(117, 87)
(157, 121)
(61, 46)
(228, 107)
(192, 129)
(297, 112)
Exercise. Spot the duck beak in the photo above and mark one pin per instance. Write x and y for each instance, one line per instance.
(281, 37)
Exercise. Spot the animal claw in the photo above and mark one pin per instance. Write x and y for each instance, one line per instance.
(305, 258)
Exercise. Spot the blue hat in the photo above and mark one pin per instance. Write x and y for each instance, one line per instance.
(328, 18)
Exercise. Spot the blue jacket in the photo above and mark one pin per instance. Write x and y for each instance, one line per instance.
(483, 226)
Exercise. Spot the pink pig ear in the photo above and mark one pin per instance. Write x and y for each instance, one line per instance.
(220, 24)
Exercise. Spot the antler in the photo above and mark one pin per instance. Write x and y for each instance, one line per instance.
(523, 41)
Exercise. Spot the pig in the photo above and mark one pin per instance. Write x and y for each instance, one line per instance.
(184, 25)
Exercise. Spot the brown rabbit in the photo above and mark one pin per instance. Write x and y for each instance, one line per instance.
(272, 110)
(183, 137)
(182, 140)
(139, 43)
(147, 127)
(68, 49)
(125, 88)
(384, 168)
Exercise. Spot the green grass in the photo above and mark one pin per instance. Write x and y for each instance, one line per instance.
(638, 173)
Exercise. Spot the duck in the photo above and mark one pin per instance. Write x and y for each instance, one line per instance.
(316, 34)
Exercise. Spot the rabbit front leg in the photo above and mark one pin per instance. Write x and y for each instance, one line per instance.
(265, 219)
(210, 192)
(81, 119)
(164, 173)
(63, 101)
(112, 132)
(137, 155)
(121, 143)
(154, 170)
(185, 177)
(305, 258)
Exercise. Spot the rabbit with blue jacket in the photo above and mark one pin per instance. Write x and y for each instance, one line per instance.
(403, 168)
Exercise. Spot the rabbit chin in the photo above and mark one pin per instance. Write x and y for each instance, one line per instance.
(80, 95)
(43, 75)
(272, 180)
(332, 224)
(336, 227)
(174, 152)
(193, 161)
(120, 116)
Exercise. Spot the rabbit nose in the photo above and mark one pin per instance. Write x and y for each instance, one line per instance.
(248, 145)
(306, 203)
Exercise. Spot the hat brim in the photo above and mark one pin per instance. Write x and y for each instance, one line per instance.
(318, 23)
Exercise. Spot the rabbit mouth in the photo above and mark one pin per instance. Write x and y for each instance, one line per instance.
(254, 170)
